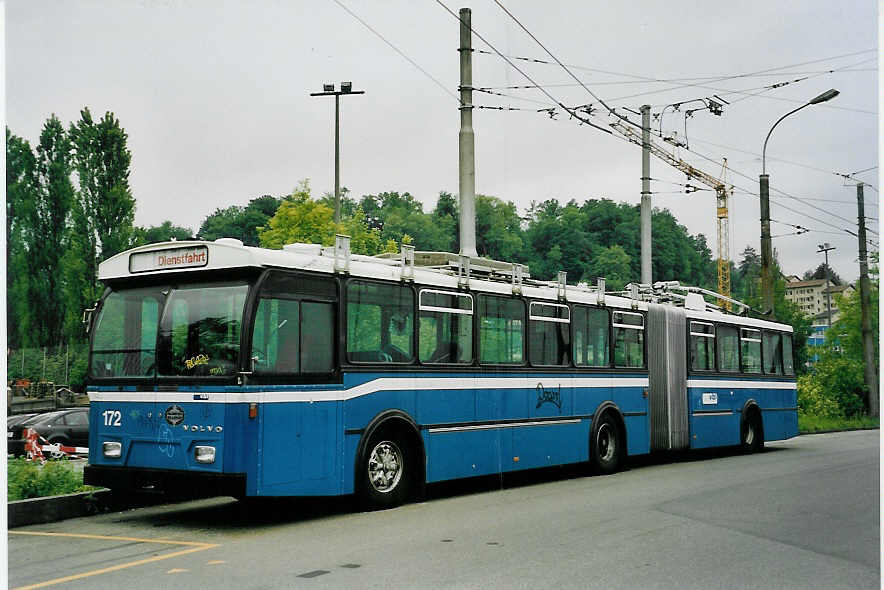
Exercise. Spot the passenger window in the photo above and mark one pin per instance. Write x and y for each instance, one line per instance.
(772, 353)
(591, 346)
(380, 323)
(728, 349)
(292, 334)
(501, 331)
(445, 327)
(629, 339)
(750, 350)
(788, 360)
(702, 346)
(550, 334)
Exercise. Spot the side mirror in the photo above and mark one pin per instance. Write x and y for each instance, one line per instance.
(87, 317)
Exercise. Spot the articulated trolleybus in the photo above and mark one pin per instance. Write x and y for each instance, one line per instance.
(310, 371)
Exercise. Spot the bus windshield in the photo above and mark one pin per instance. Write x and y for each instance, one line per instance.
(181, 331)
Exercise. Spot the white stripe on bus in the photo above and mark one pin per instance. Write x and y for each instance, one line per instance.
(374, 386)
(734, 384)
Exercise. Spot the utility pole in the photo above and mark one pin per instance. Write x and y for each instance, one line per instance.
(825, 248)
(871, 375)
(767, 298)
(467, 141)
(329, 90)
(646, 195)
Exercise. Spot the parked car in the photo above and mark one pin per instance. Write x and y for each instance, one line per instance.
(65, 427)
(17, 419)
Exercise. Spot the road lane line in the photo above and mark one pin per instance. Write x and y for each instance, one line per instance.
(192, 547)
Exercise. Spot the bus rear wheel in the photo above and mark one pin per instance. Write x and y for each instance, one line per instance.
(386, 472)
(606, 446)
(752, 433)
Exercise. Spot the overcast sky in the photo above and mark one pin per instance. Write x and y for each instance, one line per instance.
(215, 99)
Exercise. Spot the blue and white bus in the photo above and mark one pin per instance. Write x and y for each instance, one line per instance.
(310, 371)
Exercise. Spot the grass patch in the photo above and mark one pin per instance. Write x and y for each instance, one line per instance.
(808, 423)
(31, 480)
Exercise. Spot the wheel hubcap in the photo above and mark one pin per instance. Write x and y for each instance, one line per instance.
(606, 442)
(750, 433)
(385, 466)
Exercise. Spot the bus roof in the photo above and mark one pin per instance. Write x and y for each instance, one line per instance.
(197, 257)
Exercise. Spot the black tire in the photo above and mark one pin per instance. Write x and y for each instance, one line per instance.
(606, 445)
(752, 433)
(386, 471)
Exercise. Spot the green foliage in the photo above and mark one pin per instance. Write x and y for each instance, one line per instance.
(499, 233)
(808, 423)
(63, 365)
(242, 223)
(613, 264)
(301, 219)
(30, 480)
(160, 233)
(846, 331)
(820, 273)
(841, 378)
(813, 400)
(21, 166)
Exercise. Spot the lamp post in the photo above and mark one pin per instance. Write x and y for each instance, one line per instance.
(766, 249)
(329, 90)
(825, 249)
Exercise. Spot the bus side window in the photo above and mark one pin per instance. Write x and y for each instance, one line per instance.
(702, 346)
(629, 339)
(772, 353)
(591, 326)
(750, 350)
(728, 349)
(445, 327)
(380, 323)
(549, 334)
(293, 334)
(788, 360)
(501, 331)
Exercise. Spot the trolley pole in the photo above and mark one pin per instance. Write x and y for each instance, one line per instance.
(467, 140)
(646, 195)
(329, 90)
(870, 372)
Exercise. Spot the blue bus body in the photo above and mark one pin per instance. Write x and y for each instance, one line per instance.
(309, 439)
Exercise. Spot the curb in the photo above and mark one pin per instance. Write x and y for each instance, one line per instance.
(839, 430)
(55, 508)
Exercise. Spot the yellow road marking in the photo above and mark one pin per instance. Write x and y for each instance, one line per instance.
(215, 562)
(193, 547)
(177, 570)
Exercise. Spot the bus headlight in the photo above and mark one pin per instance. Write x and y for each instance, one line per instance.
(204, 454)
(112, 450)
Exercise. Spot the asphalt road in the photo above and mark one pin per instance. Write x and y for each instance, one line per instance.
(803, 514)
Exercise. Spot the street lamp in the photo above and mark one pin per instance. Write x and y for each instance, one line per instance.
(825, 248)
(329, 90)
(766, 250)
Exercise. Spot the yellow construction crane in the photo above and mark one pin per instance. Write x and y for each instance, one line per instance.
(722, 194)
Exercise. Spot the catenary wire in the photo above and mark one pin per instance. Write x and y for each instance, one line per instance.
(400, 52)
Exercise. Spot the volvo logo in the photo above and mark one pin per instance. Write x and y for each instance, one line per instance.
(174, 415)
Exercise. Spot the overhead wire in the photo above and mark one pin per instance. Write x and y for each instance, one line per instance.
(529, 78)
(610, 110)
(397, 50)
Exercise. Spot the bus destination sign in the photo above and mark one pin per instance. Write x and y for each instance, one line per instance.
(169, 259)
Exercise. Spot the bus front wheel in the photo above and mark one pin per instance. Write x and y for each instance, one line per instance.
(386, 472)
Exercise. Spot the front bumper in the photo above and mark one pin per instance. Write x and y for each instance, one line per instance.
(169, 481)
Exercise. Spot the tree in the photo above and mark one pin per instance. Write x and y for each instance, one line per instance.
(161, 233)
(498, 229)
(820, 273)
(103, 209)
(21, 168)
(299, 219)
(613, 264)
(102, 162)
(242, 223)
(54, 198)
